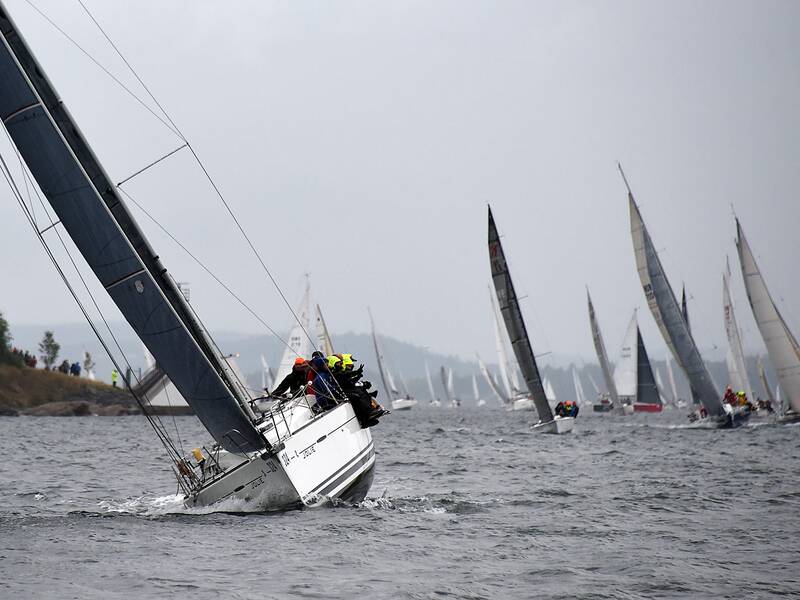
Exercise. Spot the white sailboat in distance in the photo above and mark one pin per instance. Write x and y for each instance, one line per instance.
(399, 401)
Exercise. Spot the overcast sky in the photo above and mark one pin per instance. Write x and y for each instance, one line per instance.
(361, 142)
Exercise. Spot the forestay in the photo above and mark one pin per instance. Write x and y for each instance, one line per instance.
(95, 217)
(668, 315)
(781, 344)
(515, 325)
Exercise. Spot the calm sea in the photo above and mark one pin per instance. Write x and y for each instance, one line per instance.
(465, 504)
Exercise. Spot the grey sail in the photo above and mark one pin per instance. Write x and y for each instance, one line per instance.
(602, 355)
(646, 386)
(762, 376)
(95, 217)
(668, 315)
(515, 325)
(685, 313)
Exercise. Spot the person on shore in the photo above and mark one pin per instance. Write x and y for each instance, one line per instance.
(114, 377)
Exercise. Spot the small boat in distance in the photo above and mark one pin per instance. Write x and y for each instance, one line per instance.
(606, 401)
(636, 385)
(398, 401)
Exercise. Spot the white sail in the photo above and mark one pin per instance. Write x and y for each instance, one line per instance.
(149, 361)
(267, 381)
(431, 390)
(324, 341)
(492, 382)
(506, 370)
(762, 375)
(404, 386)
(549, 392)
(475, 393)
(782, 347)
(625, 373)
(298, 344)
(737, 368)
(595, 387)
(671, 376)
(661, 388)
(580, 397)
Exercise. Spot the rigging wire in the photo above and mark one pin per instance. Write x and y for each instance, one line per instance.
(174, 127)
(170, 449)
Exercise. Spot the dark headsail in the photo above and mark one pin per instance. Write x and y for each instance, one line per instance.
(93, 214)
(515, 325)
(685, 313)
(646, 387)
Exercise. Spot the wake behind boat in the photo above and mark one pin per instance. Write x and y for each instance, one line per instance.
(297, 454)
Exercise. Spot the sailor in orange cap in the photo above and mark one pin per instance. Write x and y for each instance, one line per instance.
(295, 380)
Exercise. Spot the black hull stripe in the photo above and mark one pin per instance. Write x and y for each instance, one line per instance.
(343, 477)
(368, 451)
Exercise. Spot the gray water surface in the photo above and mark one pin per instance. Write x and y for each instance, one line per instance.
(465, 504)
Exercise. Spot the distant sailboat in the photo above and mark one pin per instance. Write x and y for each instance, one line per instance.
(298, 344)
(676, 399)
(606, 402)
(662, 391)
(580, 396)
(267, 376)
(782, 347)
(449, 389)
(518, 333)
(633, 376)
(399, 401)
(475, 393)
(737, 368)
(762, 376)
(491, 382)
(434, 397)
(672, 322)
(324, 341)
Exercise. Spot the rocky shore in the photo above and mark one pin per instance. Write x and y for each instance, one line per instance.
(35, 392)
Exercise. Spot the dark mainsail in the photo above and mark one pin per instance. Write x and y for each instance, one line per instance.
(646, 387)
(95, 217)
(515, 325)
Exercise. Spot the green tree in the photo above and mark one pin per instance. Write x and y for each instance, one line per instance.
(48, 350)
(5, 340)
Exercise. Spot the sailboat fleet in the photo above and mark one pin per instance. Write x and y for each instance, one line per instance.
(284, 452)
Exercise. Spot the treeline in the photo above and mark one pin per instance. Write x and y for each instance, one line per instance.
(48, 353)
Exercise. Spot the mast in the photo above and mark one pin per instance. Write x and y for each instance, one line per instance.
(782, 347)
(667, 313)
(600, 350)
(515, 325)
(99, 223)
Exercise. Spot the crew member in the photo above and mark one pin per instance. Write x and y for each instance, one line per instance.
(295, 380)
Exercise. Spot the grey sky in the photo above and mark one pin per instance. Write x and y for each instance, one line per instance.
(361, 141)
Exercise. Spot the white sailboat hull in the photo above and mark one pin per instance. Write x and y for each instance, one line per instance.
(558, 425)
(403, 404)
(327, 456)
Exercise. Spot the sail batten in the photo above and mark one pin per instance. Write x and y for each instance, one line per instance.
(97, 220)
(668, 315)
(515, 324)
